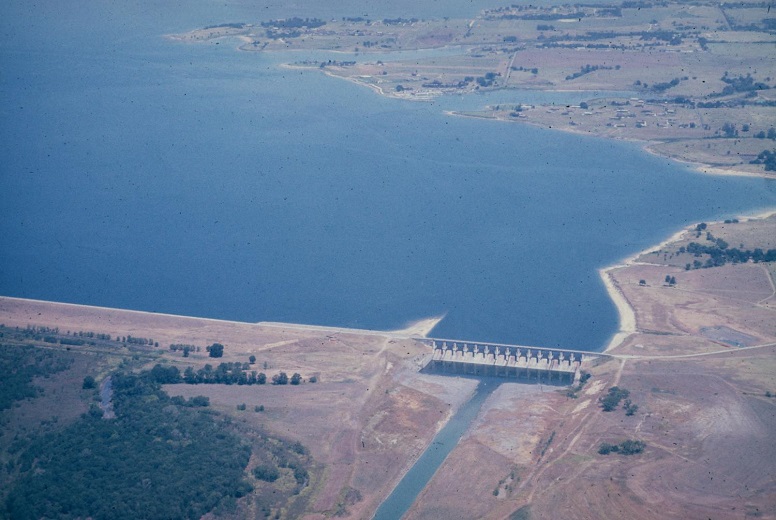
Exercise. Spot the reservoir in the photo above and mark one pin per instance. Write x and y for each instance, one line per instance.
(149, 174)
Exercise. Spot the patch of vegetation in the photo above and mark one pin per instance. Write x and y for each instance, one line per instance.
(488, 79)
(295, 23)
(720, 253)
(215, 350)
(573, 391)
(662, 87)
(266, 472)
(157, 459)
(224, 374)
(348, 496)
(741, 84)
(587, 69)
(629, 447)
(524, 513)
(767, 158)
(547, 444)
(20, 365)
(613, 397)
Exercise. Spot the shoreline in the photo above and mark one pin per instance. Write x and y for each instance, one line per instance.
(646, 145)
(626, 313)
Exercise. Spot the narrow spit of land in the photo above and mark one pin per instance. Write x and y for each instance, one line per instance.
(692, 82)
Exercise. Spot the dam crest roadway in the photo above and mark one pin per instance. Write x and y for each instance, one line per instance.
(524, 363)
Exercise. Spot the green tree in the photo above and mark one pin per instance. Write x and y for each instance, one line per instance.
(215, 350)
(631, 447)
(266, 472)
(89, 383)
(296, 379)
(280, 379)
(605, 448)
(252, 359)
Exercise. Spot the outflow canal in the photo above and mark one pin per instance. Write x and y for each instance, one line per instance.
(405, 493)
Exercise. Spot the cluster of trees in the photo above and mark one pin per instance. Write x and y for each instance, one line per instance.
(224, 374)
(148, 462)
(185, 348)
(629, 447)
(295, 23)
(662, 87)
(533, 70)
(91, 335)
(741, 84)
(54, 335)
(543, 16)
(20, 365)
(281, 465)
(587, 69)
(629, 407)
(399, 21)
(64, 341)
(237, 25)
(771, 134)
(138, 341)
(572, 392)
(215, 350)
(720, 254)
(488, 79)
(768, 158)
(670, 280)
(613, 397)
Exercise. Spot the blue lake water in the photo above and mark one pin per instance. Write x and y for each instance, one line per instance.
(193, 179)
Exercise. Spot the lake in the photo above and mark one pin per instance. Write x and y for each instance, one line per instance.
(147, 174)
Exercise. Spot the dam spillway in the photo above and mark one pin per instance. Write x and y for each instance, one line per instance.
(525, 363)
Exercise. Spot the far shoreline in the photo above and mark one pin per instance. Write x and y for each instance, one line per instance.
(645, 144)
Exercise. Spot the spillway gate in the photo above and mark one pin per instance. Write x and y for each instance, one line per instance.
(510, 361)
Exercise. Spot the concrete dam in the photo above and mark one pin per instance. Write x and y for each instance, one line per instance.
(525, 363)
